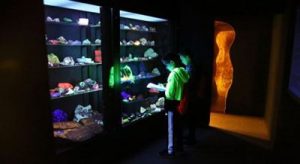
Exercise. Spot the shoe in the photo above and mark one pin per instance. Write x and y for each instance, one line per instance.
(166, 154)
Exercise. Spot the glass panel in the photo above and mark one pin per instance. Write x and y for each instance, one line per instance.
(143, 40)
(294, 83)
(73, 40)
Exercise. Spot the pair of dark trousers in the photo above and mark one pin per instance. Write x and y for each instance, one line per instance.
(190, 120)
(175, 127)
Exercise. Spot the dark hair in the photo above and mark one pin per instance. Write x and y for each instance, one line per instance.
(185, 51)
(171, 57)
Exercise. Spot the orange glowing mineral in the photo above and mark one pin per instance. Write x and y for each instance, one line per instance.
(222, 67)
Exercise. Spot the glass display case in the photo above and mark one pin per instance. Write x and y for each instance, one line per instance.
(143, 40)
(73, 41)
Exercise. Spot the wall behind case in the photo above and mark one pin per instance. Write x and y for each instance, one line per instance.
(195, 31)
(287, 129)
(25, 115)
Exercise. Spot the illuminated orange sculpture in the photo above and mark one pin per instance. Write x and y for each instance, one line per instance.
(223, 70)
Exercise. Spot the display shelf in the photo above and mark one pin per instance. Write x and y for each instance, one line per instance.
(95, 26)
(85, 65)
(137, 46)
(149, 77)
(64, 24)
(94, 45)
(148, 98)
(139, 78)
(130, 30)
(142, 118)
(70, 24)
(67, 45)
(66, 145)
(133, 101)
(141, 60)
(130, 122)
(76, 94)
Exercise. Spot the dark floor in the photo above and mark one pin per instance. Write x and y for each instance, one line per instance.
(212, 146)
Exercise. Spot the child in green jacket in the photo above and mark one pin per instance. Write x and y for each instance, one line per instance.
(177, 78)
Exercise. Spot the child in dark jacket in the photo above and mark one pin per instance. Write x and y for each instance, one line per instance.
(190, 115)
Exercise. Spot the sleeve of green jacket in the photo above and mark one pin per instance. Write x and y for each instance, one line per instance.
(176, 80)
